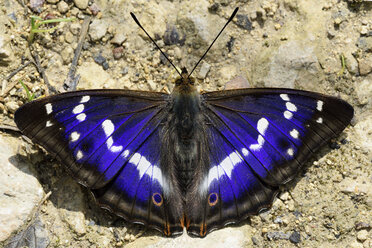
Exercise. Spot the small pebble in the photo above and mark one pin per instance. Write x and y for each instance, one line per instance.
(334, 145)
(362, 225)
(99, 59)
(97, 29)
(277, 26)
(124, 71)
(94, 9)
(36, 5)
(172, 36)
(204, 69)
(243, 22)
(295, 237)
(12, 106)
(118, 52)
(69, 37)
(362, 235)
(52, 1)
(119, 38)
(81, 4)
(62, 7)
(214, 8)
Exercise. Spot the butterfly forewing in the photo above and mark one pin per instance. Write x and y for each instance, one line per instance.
(109, 141)
(259, 139)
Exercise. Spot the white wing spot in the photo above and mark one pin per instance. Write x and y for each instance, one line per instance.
(258, 146)
(290, 152)
(48, 108)
(285, 97)
(79, 155)
(294, 133)
(291, 107)
(108, 127)
(319, 120)
(143, 167)
(81, 117)
(74, 136)
(48, 124)
(262, 125)
(319, 105)
(288, 115)
(126, 153)
(78, 109)
(245, 152)
(85, 99)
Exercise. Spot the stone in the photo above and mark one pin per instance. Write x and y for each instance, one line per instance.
(117, 52)
(81, 4)
(226, 237)
(36, 5)
(239, 82)
(173, 36)
(70, 204)
(365, 43)
(12, 106)
(351, 63)
(243, 22)
(364, 91)
(351, 186)
(5, 50)
(214, 8)
(365, 64)
(290, 62)
(295, 237)
(62, 7)
(69, 37)
(93, 76)
(52, 1)
(119, 38)
(67, 54)
(97, 29)
(204, 69)
(362, 235)
(75, 28)
(17, 202)
(277, 235)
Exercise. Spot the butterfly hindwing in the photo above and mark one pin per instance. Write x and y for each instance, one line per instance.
(109, 141)
(259, 139)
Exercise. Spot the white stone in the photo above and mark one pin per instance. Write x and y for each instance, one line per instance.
(20, 190)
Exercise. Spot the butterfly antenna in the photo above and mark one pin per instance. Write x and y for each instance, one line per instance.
(202, 57)
(139, 24)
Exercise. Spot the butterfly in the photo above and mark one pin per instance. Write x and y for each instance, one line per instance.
(185, 160)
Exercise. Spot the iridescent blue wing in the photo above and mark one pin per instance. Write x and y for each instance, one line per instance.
(258, 139)
(109, 141)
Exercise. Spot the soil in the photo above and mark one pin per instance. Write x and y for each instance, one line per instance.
(323, 46)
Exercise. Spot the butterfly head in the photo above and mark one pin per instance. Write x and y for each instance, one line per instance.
(185, 83)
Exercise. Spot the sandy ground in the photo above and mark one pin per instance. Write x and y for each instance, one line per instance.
(297, 44)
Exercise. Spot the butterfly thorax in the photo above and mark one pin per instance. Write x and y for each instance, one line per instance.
(186, 125)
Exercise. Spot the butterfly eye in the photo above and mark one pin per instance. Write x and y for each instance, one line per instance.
(157, 199)
(212, 199)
